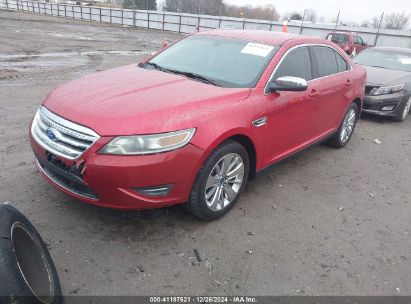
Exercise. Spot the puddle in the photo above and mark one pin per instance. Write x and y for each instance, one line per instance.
(70, 36)
(17, 69)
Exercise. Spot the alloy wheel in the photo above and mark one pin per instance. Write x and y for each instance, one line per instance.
(406, 109)
(348, 125)
(224, 182)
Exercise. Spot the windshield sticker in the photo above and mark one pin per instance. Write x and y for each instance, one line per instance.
(257, 49)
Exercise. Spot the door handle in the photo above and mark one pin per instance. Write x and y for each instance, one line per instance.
(348, 83)
(314, 94)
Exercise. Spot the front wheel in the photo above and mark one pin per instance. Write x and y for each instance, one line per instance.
(346, 128)
(220, 181)
(405, 111)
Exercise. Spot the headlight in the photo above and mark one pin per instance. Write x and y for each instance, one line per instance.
(387, 90)
(148, 144)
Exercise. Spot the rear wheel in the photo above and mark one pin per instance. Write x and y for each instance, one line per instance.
(405, 111)
(220, 181)
(346, 129)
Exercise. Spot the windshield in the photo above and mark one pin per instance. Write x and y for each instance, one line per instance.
(338, 38)
(385, 59)
(221, 61)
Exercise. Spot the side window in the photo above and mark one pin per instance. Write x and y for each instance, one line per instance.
(358, 40)
(297, 63)
(342, 65)
(325, 58)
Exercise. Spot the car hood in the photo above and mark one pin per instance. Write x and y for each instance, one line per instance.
(381, 76)
(131, 100)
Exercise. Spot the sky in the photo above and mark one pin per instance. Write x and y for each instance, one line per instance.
(351, 10)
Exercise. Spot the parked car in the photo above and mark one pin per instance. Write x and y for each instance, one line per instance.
(193, 123)
(388, 89)
(351, 43)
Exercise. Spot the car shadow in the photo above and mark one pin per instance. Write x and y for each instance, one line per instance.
(376, 118)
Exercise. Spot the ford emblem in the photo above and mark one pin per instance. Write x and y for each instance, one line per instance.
(52, 134)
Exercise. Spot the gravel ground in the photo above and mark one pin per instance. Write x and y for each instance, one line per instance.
(325, 222)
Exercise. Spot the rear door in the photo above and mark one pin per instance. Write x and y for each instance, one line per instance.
(332, 81)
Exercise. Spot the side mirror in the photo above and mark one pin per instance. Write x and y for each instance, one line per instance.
(365, 43)
(288, 83)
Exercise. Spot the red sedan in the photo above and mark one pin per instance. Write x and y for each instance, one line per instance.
(193, 123)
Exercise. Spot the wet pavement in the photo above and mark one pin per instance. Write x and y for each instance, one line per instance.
(325, 222)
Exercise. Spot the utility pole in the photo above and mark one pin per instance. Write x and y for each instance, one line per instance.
(302, 22)
(378, 30)
(338, 19)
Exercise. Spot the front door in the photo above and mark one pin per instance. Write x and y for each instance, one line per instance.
(291, 115)
(358, 44)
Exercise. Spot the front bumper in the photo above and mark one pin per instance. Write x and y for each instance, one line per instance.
(111, 181)
(375, 104)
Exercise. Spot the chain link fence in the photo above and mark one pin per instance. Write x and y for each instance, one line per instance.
(189, 23)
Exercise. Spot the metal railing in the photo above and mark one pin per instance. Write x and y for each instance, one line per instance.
(190, 23)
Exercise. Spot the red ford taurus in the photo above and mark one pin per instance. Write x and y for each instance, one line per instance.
(193, 123)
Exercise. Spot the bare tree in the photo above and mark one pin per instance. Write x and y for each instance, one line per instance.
(296, 16)
(292, 16)
(267, 12)
(396, 21)
(310, 15)
(375, 22)
(366, 23)
(140, 4)
(218, 7)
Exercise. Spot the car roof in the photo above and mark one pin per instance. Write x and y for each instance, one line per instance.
(259, 36)
(393, 49)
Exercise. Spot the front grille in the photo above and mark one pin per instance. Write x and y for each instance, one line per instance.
(369, 88)
(60, 136)
(66, 179)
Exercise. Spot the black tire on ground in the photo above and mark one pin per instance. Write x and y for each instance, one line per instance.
(404, 113)
(335, 140)
(27, 272)
(197, 204)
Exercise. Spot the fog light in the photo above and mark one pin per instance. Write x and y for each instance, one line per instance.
(154, 191)
(387, 108)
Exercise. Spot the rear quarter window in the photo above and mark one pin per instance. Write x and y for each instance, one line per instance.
(342, 65)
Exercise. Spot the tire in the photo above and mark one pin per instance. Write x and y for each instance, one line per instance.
(231, 153)
(405, 111)
(338, 140)
(27, 272)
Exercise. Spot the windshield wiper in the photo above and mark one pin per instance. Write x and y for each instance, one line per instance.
(187, 74)
(195, 76)
(154, 65)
